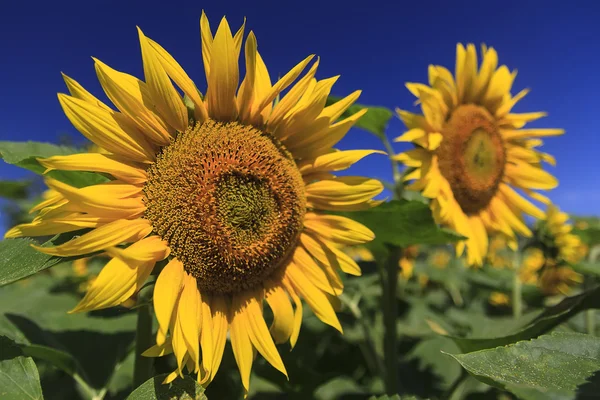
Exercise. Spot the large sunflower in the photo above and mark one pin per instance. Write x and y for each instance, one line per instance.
(227, 188)
(471, 152)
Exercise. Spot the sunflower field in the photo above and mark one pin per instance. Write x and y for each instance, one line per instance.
(207, 240)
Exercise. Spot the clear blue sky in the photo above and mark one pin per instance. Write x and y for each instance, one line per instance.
(375, 46)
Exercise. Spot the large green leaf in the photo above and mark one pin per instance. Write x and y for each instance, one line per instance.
(543, 323)
(549, 367)
(19, 260)
(403, 223)
(25, 154)
(93, 345)
(179, 389)
(19, 378)
(374, 121)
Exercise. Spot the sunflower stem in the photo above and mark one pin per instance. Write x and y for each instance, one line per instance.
(390, 312)
(517, 295)
(143, 340)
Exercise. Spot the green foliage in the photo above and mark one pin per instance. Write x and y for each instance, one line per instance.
(374, 121)
(19, 378)
(14, 190)
(552, 366)
(25, 154)
(180, 389)
(403, 223)
(19, 260)
(543, 323)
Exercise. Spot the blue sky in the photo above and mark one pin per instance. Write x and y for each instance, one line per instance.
(374, 48)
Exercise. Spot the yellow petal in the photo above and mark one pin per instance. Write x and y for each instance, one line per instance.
(479, 239)
(262, 86)
(526, 133)
(412, 135)
(329, 255)
(280, 85)
(303, 261)
(320, 141)
(78, 92)
(96, 162)
(516, 222)
(246, 92)
(338, 229)
(181, 78)
(159, 351)
(53, 226)
(297, 312)
(110, 200)
(207, 42)
(518, 201)
(187, 314)
(206, 338)
(164, 96)
(531, 177)
(283, 314)
(106, 128)
(257, 329)
(101, 238)
(132, 97)
(509, 104)
(220, 313)
(315, 298)
(224, 76)
(335, 194)
(166, 293)
(488, 67)
(291, 98)
(336, 110)
(150, 249)
(118, 281)
(240, 342)
(413, 158)
(334, 161)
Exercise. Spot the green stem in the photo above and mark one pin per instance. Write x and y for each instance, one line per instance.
(143, 340)
(390, 312)
(368, 349)
(590, 321)
(517, 296)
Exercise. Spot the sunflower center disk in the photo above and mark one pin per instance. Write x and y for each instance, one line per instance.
(472, 157)
(230, 202)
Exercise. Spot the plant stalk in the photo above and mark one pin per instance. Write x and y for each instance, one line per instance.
(143, 340)
(390, 312)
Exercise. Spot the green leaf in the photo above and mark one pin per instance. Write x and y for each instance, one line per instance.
(14, 190)
(403, 223)
(550, 367)
(25, 154)
(19, 378)
(546, 321)
(19, 260)
(179, 389)
(374, 121)
(59, 359)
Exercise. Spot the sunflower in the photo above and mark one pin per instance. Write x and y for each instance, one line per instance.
(499, 299)
(229, 189)
(554, 248)
(407, 261)
(471, 154)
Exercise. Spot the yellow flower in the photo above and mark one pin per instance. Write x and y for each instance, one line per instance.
(533, 261)
(471, 152)
(228, 188)
(495, 257)
(499, 299)
(407, 261)
(359, 253)
(558, 279)
(565, 245)
(440, 258)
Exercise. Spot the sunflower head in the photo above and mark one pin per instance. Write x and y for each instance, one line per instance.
(230, 189)
(471, 154)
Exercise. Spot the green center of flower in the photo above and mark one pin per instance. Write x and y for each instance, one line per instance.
(230, 202)
(472, 157)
